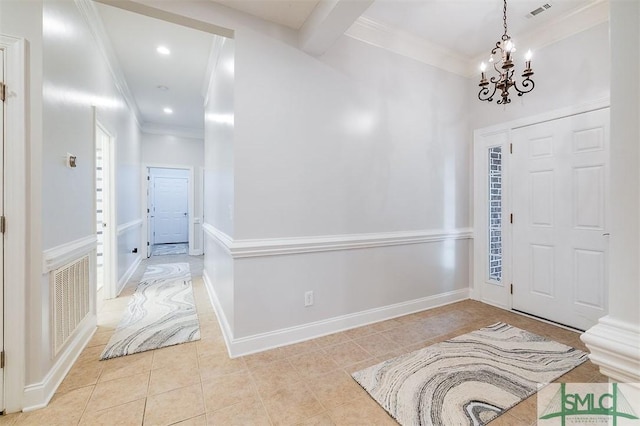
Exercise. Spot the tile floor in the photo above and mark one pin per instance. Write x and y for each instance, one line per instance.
(306, 383)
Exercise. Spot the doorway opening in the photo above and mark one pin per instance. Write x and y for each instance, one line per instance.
(169, 206)
(105, 215)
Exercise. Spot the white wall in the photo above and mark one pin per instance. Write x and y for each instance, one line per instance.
(219, 176)
(359, 141)
(68, 78)
(175, 151)
(570, 72)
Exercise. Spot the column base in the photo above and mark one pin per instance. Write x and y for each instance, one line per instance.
(615, 348)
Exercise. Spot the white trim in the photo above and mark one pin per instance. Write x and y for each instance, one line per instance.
(126, 227)
(38, 395)
(217, 308)
(212, 65)
(190, 202)
(564, 26)
(96, 27)
(124, 279)
(286, 246)
(58, 256)
(286, 336)
(406, 44)
(381, 35)
(615, 347)
(223, 240)
(16, 212)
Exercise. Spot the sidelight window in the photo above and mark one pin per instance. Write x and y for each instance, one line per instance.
(495, 213)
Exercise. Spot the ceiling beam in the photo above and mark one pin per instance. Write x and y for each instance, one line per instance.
(328, 21)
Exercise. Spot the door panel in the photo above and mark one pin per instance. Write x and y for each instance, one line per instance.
(171, 210)
(560, 172)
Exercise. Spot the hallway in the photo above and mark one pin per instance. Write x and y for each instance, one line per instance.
(306, 383)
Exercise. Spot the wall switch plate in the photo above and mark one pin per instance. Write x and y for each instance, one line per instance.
(308, 298)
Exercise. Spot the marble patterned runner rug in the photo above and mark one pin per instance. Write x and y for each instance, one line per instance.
(161, 313)
(468, 380)
(166, 249)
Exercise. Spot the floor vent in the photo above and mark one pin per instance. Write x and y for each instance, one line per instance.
(70, 296)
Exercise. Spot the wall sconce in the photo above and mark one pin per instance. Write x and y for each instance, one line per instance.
(71, 161)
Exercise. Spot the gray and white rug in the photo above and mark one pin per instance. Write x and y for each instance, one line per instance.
(161, 313)
(167, 249)
(468, 380)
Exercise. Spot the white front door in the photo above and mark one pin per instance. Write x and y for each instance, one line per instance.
(171, 204)
(559, 196)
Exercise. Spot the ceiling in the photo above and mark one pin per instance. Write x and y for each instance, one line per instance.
(159, 81)
(467, 29)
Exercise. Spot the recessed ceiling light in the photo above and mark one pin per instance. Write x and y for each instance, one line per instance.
(168, 111)
(163, 50)
(163, 88)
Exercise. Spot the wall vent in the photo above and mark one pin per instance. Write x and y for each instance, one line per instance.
(538, 10)
(70, 299)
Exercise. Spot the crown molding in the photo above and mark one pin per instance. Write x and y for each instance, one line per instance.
(563, 27)
(88, 10)
(390, 38)
(163, 129)
(403, 43)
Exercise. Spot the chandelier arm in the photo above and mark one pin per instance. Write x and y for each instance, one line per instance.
(484, 95)
(527, 85)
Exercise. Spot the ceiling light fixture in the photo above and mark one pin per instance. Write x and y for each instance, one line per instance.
(163, 50)
(168, 111)
(162, 87)
(504, 67)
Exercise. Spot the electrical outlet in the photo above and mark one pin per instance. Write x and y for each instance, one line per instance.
(308, 298)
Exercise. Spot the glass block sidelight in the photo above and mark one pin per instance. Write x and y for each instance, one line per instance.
(495, 213)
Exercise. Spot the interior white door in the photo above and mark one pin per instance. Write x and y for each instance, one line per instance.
(560, 174)
(171, 204)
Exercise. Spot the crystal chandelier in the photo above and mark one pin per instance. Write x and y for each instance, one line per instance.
(504, 67)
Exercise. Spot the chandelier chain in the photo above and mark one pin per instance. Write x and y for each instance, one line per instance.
(504, 20)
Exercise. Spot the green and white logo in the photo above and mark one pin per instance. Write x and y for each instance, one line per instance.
(589, 404)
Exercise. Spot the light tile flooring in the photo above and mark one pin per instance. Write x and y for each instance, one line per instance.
(306, 383)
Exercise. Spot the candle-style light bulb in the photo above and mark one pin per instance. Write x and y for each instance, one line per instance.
(528, 55)
(509, 47)
(483, 67)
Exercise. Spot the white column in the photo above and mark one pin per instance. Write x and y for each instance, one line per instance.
(614, 342)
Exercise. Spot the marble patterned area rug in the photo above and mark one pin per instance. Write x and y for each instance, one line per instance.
(166, 249)
(470, 379)
(161, 313)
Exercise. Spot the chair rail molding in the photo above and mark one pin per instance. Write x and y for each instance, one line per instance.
(125, 227)
(58, 256)
(243, 248)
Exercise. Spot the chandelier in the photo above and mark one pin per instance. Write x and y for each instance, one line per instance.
(503, 65)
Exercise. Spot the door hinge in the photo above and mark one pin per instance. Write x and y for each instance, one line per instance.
(511, 288)
(2, 359)
(3, 224)
(3, 91)
(510, 148)
(147, 243)
(511, 218)
(148, 178)
(147, 210)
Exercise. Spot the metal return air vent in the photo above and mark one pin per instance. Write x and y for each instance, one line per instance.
(538, 10)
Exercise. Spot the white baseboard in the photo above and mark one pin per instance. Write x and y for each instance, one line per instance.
(273, 339)
(615, 348)
(217, 308)
(38, 395)
(128, 274)
(196, 252)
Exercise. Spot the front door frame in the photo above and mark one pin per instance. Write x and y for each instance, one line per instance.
(145, 203)
(15, 210)
(481, 288)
